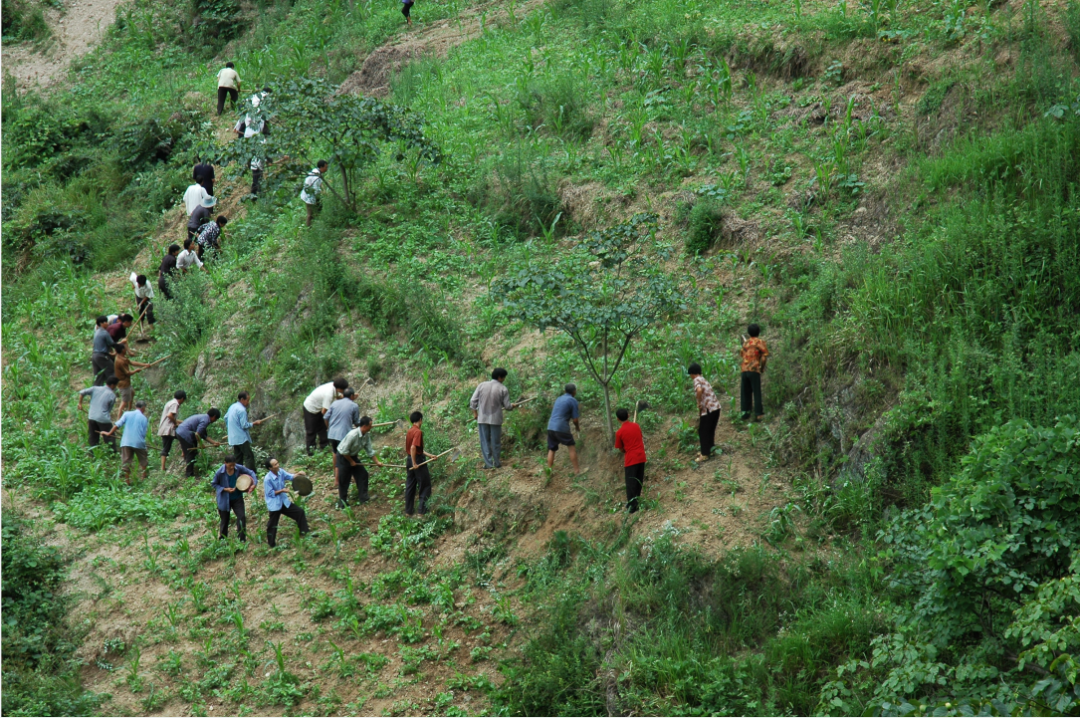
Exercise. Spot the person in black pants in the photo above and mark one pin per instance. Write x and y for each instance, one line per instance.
(278, 502)
(168, 266)
(190, 431)
(630, 441)
(708, 411)
(755, 355)
(203, 174)
(348, 463)
(229, 498)
(419, 478)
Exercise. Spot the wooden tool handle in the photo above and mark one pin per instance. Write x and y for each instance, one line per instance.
(433, 458)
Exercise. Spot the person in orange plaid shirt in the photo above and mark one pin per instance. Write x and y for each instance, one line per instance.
(754, 356)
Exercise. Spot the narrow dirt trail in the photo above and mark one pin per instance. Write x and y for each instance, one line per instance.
(74, 33)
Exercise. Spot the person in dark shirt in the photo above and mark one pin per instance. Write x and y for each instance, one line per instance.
(168, 266)
(203, 174)
(119, 328)
(200, 216)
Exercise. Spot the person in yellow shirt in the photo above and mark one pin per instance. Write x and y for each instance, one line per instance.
(754, 357)
(228, 85)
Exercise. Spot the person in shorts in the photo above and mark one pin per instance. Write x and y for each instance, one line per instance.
(170, 419)
(565, 410)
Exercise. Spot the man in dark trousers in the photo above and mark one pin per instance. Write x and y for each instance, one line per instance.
(228, 86)
(203, 174)
(342, 417)
(754, 356)
(317, 403)
(100, 361)
(190, 431)
(99, 421)
(629, 440)
(231, 499)
(165, 271)
(419, 478)
(708, 411)
(278, 502)
(347, 462)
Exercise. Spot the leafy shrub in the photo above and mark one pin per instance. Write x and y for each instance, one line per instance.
(559, 104)
(218, 20)
(703, 226)
(24, 21)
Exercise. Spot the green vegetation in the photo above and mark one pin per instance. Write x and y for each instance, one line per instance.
(888, 188)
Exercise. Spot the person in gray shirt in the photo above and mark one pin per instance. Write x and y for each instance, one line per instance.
(487, 404)
(342, 416)
(99, 419)
(100, 361)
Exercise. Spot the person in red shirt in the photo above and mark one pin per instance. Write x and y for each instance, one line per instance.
(420, 477)
(629, 439)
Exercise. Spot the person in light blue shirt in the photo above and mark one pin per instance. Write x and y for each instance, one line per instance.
(237, 425)
(230, 498)
(565, 410)
(133, 440)
(278, 502)
(341, 418)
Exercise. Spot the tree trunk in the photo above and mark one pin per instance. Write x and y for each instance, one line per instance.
(607, 415)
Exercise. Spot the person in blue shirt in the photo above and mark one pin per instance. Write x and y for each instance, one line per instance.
(342, 417)
(229, 498)
(564, 411)
(237, 425)
(278, 502)
(190, 431)
(133, 441)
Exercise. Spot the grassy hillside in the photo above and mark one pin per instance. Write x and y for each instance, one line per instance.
(889, 189)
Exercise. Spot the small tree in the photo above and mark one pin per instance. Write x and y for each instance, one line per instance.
(308, 122)
(602, 293)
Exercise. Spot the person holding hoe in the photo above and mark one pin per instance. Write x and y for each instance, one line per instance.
(278, 502)
(170, 419)
(563, 411)
(133, 441)
(629, 440)
(190, 431)
(317, 403)
(99, 420)
(417, 474)
(348, 466)
(487, 404)
(100, 360)
(230, 489)
(708, 411)
(123, 371)
(144, 295)
(237, 425)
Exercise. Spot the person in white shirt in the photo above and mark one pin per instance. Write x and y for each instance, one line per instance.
(228, 85)
(189, 257)
(316, 405)
(193, 197)
(144, 293)
(170, 419)
(312, 189)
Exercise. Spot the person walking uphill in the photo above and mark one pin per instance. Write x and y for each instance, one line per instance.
(708, 411)
(342, 417)
(347, 462)
(754, 357)
(190, 431)
(487, 404)
(166, 270)
(565, 410)
(406, 8)
(99, 419)
(313, 188)
(630, 441)
(170, 419)
(231, 499)
(317, 403)
(203, 174)
(237, 425)
(278, 502)
(100, 361)
(417, 479)
(228, 85)
(133, 442)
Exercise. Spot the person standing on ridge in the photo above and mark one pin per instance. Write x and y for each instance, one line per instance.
(754, 356)
(347, 462)
(708, 411)
(228, 81)
(170, 419)
(341, 418)
(313, 188)
(629, 440)
(487, 404)
(317, 403)
(417, 479)
(237, 425)
(133, 440)
(99, 419)
(563, 411)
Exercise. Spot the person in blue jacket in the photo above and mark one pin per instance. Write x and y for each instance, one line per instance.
(278, 502)
(231, 499)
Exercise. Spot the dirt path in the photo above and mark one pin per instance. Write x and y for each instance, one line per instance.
(75, 33)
